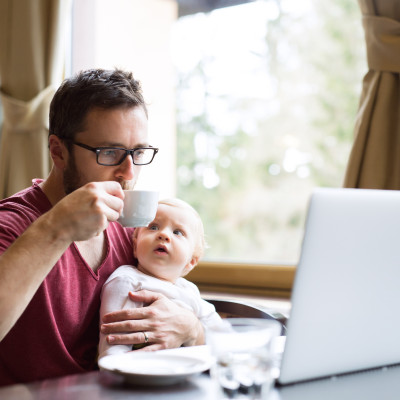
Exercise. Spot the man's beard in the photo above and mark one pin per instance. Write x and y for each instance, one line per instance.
(72, 177)
(127, 185)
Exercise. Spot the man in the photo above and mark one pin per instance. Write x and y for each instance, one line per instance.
(59, 241)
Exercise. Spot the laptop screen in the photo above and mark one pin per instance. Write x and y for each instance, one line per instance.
(346, 293)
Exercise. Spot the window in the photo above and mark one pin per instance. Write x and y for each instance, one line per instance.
(267, 94)
(252, 106)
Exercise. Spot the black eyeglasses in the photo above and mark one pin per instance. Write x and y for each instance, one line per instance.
(111, 156)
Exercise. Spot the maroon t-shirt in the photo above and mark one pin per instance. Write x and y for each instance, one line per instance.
(58, 332)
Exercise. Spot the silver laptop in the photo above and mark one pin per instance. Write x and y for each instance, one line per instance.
(345, 313)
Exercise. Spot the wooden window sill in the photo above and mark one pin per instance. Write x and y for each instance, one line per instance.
(263, 281)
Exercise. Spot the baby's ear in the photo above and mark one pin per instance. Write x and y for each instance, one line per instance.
(190, 265)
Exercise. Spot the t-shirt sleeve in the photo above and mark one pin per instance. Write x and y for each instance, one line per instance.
(115, 297)
(12, 224)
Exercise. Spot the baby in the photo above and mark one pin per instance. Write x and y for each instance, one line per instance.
(168, 249)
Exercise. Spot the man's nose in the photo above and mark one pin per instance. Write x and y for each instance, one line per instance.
(126, 169)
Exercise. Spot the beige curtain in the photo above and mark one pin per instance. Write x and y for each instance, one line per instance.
(32, 36)
(375, 157)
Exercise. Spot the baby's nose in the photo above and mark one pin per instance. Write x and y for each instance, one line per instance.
(163, 235)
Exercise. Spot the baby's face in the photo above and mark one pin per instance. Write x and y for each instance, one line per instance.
(165, 248)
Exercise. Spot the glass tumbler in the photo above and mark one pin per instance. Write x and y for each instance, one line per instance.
(244, 361)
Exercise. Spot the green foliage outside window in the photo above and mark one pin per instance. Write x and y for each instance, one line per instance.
(265, 117)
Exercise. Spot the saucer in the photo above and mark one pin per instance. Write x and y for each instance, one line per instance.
(158, 368)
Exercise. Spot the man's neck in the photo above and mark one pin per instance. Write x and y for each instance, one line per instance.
(53, 187)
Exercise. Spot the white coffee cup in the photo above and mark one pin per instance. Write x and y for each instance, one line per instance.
(140, 208)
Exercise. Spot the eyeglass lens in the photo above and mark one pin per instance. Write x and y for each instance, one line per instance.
(116, 156)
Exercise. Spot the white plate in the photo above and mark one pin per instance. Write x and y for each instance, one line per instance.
(156, 368)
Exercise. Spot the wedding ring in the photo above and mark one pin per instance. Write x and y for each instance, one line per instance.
(146, 338)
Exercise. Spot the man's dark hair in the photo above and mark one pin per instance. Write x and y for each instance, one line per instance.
(90, 89)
